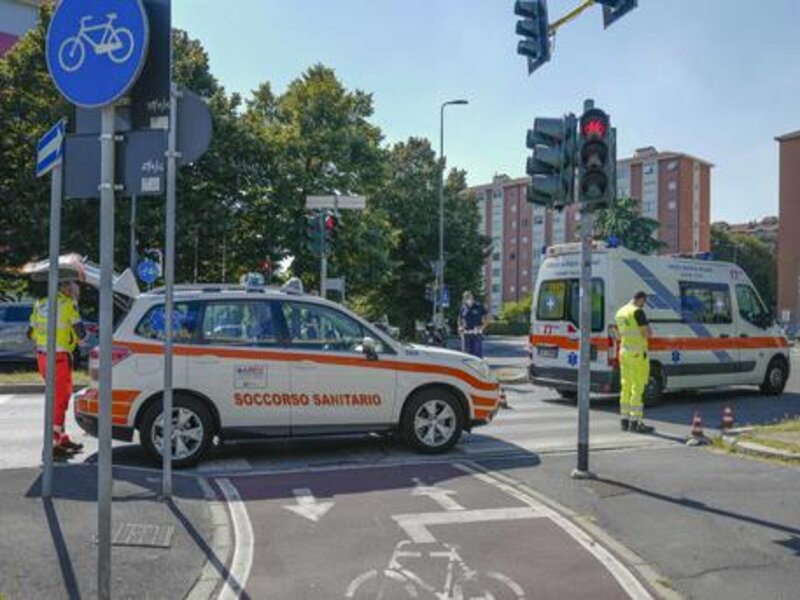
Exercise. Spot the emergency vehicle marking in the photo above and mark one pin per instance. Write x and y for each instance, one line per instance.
(327, 359)
(670, 343)
(249, 377)
(676, 356)
(572, 359)
(284, 399)
(121, 402)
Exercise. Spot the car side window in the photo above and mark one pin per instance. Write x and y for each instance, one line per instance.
(706, 302)
(750, 307)
(241, 323)
(184, 323)
(316, 327)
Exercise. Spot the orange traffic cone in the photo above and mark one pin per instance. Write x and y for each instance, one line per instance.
(697, 437)
(727, 419)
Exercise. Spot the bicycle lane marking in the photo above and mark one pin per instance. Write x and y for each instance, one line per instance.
(632, 586)
(236, 582)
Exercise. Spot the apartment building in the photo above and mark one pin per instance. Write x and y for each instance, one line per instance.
(673, 188)
(16, 18)
(789, 218)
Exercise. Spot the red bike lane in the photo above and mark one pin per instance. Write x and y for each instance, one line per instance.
(436, 531)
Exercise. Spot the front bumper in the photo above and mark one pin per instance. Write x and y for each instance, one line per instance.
(89, 424)
(560, 378)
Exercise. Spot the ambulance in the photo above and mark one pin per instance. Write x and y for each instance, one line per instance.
(255, 361)
(710, 326)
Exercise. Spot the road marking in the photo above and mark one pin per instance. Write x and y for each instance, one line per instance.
(439, 495)
(5, 398)
(416, 525)
(621, 573)
(223, 465)
(235, 582)
(307, 506)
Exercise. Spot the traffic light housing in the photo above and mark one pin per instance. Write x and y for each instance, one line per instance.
(551, 166)
(596, 159)
(533, 27)
(331, 228)
(314, 233)
(616, 9)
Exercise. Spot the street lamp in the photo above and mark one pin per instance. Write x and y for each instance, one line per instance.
(438, 287)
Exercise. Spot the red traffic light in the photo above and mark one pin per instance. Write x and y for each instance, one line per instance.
(594, 128)
(330, 223)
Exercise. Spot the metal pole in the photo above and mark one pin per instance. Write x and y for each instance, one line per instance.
(133, 257)
(585, 324)
(554, 26)
(169, 282)
(52, 321)
(323, 260)
(104, 463)
(439, 286)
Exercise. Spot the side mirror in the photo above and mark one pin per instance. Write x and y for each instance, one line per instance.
(370, 348)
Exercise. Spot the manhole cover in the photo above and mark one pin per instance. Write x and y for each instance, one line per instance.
(138, 534)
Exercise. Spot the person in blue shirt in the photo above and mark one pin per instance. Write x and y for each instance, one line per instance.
(471, 319)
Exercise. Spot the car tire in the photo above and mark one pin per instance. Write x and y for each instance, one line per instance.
(198, 430)
(445, 417)
(568, 394)
(775, 378)
(654, 391)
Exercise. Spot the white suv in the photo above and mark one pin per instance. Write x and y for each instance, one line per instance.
(277, 362)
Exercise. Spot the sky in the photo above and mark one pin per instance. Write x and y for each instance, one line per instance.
(717, 79)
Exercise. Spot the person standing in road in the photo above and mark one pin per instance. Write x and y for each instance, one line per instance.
(633, 331)
(69, 331)
(471, 319)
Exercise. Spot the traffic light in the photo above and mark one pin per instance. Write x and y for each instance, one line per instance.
(331, 229)
(597, 159)
(314, 233)
(616, 9)
(552, 164)
(533, 27)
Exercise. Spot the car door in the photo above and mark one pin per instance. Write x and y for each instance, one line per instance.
(752, 323)
(239, 364)
(14, 341)
(339, 388)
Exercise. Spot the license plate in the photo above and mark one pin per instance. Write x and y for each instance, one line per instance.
(547, 351)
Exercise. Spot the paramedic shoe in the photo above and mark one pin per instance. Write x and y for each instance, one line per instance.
(60, 453)
(624, 424)
(639, 427)
(69, 445)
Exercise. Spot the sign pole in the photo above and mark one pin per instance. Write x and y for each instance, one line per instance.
(323, 262)
(52, 321)
(104, 465)
(169, 282)
(133, 258)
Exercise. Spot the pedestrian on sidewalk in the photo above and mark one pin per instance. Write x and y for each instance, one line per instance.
(471, 319)
(633, 331)
(69, 331)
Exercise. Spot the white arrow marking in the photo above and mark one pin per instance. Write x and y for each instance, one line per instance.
(439, 495)
(416, 525)
(307, 506)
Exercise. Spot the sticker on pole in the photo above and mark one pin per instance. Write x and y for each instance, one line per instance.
(148, 271)
(96, 50)
(50, 149)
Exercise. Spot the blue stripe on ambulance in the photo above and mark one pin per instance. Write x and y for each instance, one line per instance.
(674, 303)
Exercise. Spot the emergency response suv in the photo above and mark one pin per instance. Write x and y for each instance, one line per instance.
(260, 361)
(710, 327)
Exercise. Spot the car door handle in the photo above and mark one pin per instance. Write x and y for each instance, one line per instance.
(305, 364)
(743, 335)
(724, 335)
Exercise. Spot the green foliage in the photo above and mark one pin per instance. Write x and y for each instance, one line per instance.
(517, 312)
(753, 255)
(506, 328)
(625, 221)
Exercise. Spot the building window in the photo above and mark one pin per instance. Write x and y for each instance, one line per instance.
(672, 186)
(647, 169)
(524, 239)
(513, 224)
(513, 289)
(496, 256)
(496, 288)
(513, 208)
(512, 256)
(523, 289)
(672, 165)
(524, 272)
(524, 222)
(495, 272)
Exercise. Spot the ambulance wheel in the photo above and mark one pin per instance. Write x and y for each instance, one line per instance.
(654, 392)
(192, 431)
(775, 377)
(432, 421)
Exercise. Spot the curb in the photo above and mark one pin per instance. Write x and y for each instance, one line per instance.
(766, 451)
(211, 577)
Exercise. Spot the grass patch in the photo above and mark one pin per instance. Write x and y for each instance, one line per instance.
(772, 443)
(79, 377)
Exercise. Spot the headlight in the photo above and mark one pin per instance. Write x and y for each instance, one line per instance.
(479, 367)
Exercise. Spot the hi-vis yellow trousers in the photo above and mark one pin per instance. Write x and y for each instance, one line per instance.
(634, 373)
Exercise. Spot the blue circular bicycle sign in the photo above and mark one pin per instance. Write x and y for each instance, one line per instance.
(148, 271)
(96, 50)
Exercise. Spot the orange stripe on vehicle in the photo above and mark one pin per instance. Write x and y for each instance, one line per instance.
(318, 358)
(483, 401)
(483, 414)
(124, 396)
(671, 343)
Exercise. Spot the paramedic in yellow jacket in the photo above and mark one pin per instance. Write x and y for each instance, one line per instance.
(634, 331)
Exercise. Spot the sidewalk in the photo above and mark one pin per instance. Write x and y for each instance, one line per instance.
(48, 549)
(715, 526)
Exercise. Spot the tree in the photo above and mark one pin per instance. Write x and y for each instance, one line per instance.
(753, 255)
(624, 220)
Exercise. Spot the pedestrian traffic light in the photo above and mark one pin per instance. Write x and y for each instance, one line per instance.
(533, 27)
(314, 233)
(616, 9)
(597, 159)
(331, 228)
(552, 164)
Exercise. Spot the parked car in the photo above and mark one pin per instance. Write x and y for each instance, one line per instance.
(15, 346)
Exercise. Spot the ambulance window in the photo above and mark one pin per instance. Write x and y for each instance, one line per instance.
(241, 323)
(184, 323)
(750, 307)
(706, 302)
(552, 300)
(598, 303)
(316, 327)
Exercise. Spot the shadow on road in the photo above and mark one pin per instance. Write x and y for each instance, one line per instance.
(64, 562)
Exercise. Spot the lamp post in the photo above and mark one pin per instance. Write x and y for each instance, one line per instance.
(438, 287)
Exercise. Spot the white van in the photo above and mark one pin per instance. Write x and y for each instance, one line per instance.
(710, 327)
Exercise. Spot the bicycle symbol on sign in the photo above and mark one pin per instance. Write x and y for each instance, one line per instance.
(117, 43)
